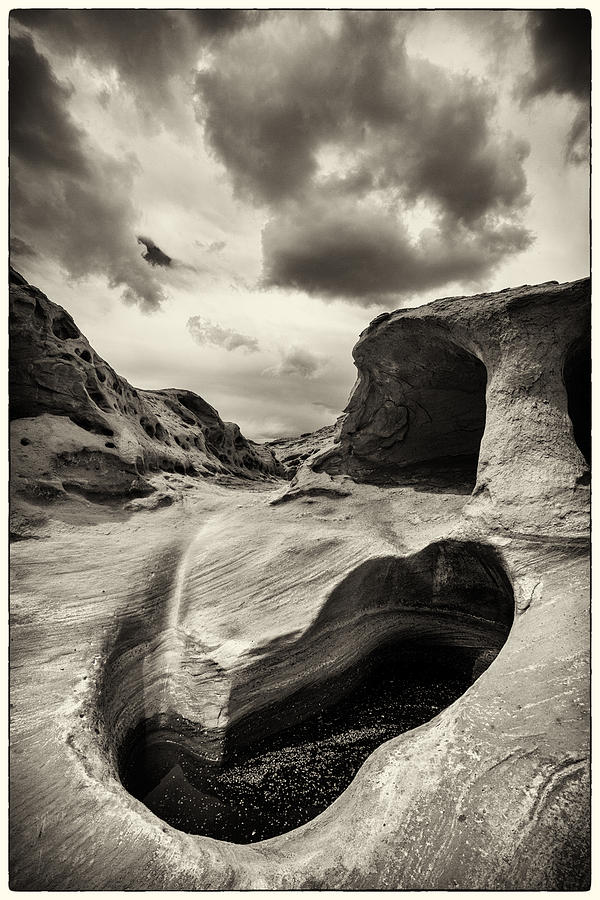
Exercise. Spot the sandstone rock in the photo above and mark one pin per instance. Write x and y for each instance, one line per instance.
(203, 628)
(154, 501)
(495, 385)
(307, 483)
(90, 430)
(293, 452)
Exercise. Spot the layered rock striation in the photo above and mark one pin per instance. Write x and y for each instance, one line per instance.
(293, 452)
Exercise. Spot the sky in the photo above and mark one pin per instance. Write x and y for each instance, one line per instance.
(223, 199)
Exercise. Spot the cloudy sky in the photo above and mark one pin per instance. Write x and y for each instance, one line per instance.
(224, 199)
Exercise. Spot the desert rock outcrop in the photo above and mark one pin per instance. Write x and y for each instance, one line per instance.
(419, 628)
(80, 427)
(491, 391)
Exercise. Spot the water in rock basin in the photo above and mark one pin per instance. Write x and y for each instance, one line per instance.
(282, 780)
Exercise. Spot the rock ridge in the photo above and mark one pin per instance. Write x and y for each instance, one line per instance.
(78, 426)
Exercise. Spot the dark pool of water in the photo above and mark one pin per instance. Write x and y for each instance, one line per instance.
(282, 780)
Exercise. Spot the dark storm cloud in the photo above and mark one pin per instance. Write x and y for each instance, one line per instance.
(305, 109)
(561, 46)
(203, 331)
(67, 203)
(364, 255)
(153, 51)
(447, 152)
(41, 133)
(215, 23)
(307, 78)
(143, 46)
(305, 88)
(415, 126)
(154, 255)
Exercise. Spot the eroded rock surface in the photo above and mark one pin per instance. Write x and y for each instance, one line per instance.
(293, 452)
(201, 622)
(80, 427)
(495, 385)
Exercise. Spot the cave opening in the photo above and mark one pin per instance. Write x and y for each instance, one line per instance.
(422, 416)
(447, 413)
(577, 377)
(451, 609)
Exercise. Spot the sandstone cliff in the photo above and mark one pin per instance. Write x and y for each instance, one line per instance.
(489, 393)
(79, 428)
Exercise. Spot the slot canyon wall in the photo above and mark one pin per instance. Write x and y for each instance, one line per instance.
(374, 675)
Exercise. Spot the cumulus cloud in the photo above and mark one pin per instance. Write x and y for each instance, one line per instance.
(70, 204)
(302, 75)
(203, 331)
(152, 51)
(561, 48)
(347, 132)
(360, 253)
(297, 361)
(322, 118)
(154, 255)
(560, 43)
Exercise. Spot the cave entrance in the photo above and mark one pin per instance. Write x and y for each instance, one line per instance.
(577, 377)
(421, 417)
(443, 615)
(446, 421)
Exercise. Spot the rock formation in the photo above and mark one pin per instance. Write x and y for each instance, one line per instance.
(78, 427)
(496, 385)
(382, 666)
(292, 452)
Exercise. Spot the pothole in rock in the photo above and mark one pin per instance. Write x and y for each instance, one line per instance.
(280, 781)
(406, 637)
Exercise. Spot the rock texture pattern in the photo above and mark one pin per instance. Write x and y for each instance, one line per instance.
(80, 427)
(495, 382)
(293, 452)
(226, 608)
